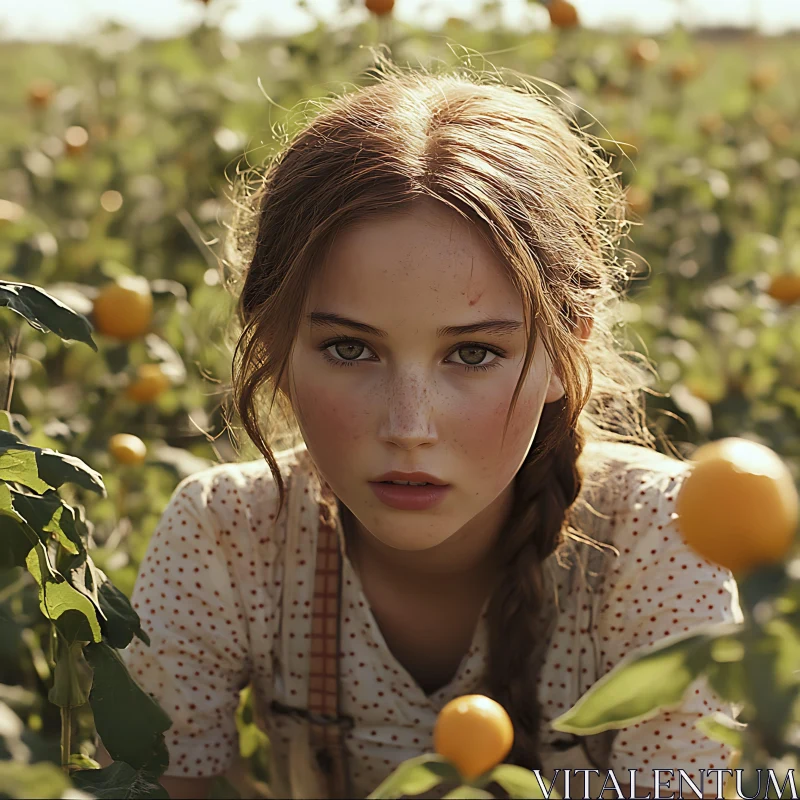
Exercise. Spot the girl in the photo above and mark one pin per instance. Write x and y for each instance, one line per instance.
(430, 288)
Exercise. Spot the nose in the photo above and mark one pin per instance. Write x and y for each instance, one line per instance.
(408, 420)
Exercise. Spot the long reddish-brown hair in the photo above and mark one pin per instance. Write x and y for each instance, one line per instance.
(541, 192)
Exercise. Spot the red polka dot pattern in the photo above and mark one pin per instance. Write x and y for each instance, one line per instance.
(212, 596)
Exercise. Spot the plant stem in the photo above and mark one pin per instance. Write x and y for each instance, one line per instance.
(13, 344)
(66, 735)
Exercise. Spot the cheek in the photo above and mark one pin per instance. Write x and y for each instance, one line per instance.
(327, 415)
(480, 432)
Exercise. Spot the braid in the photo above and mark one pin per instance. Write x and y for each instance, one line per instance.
(547, 484)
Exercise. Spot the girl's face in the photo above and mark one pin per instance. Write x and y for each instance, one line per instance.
(407, 399)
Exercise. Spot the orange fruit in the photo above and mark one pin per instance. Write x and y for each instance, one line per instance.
(379, 7)
(76, 139)
(711, 123)
(684, 69)
(628, 142)
(40, 93)
(474, 732)
(149, 384)
(780, 134)
(739, 506)
(764, 76)
(124, 308)
(127, 448)
(639, 200)
(562, 14)
(644, 51)
(785, 288)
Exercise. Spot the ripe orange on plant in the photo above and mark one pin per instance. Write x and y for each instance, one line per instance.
(644, 51)
(764, 76)
(638, 199)
(739, 506)
(379, 7)
(124, 308)
(684, 69)
(711, 123)
(150, 383)
(127, 448)
(474, 732)
(785, 288)
(40, 93)
(75, 140)
(562, 14)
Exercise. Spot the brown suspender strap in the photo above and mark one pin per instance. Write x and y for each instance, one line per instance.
(327, 728)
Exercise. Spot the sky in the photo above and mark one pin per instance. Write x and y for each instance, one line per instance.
(67, 19)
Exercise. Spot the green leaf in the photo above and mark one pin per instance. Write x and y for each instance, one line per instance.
(55, 598)
(6, 505)
(119, 780)
(72, 680)
(468, 793)
(637, 688)
(43, 513)
(20, 466)
(45, 313)
(417, 775)
(520, 782)
(122, 622)
(728, 680)
(53, 467)
(130, 722)
(14, 544)
(5, 420)
(41, 781)
(722, 728)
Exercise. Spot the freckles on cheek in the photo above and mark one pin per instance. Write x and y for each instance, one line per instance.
(335, 414)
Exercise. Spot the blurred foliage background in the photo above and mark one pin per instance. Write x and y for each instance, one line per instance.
(115, 158)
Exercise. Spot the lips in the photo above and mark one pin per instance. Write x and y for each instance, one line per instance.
(411, 477)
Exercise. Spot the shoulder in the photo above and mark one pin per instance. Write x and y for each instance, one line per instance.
(231, 489)
(633, 490)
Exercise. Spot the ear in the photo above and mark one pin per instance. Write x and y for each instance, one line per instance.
(283, 384)
(555, 391)
(585, 325)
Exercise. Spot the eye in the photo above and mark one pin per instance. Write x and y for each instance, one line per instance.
(472, 350)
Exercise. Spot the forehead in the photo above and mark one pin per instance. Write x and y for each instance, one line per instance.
(427, 259)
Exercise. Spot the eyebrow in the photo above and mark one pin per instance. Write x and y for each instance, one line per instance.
(500, 327)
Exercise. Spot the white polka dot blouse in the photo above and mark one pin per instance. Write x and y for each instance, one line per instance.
(224, 592)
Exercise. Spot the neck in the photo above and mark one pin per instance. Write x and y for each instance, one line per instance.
(467, 560)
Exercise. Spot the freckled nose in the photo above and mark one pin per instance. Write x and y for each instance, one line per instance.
(409, 410)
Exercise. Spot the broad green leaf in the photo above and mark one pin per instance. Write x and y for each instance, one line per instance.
(468, 793)
(45, 313)
(417, 775)
(119, 780)
(20, 466)
(53, 467)
(726, 649)
(122, 622)
(55, 598)
(728, 680)
(637, 688)
(14, 544)
(130, 722)
(6, 505)
(72, 679)
(521, 782)
(5, 420)
(722, 728)
(43, 513)
(41, 781)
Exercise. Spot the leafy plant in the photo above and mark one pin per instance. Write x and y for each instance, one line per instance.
(90, 619)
